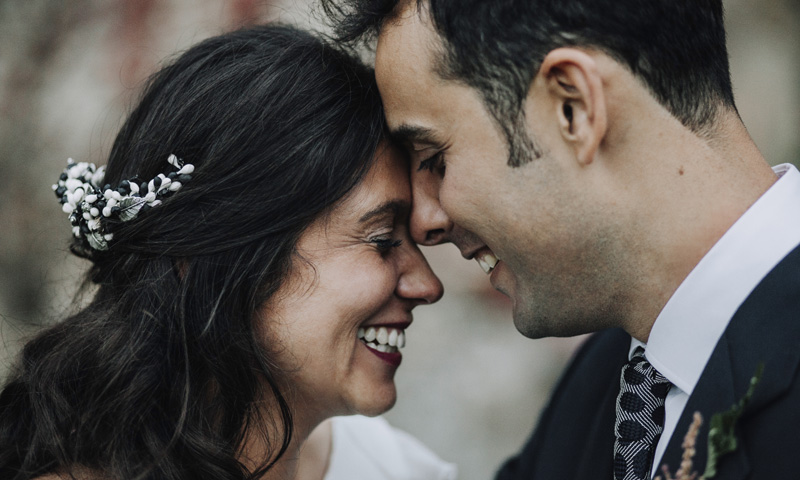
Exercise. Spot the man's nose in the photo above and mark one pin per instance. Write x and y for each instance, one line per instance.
(430, 225)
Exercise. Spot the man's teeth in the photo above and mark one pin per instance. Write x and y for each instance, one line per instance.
(487, 261)
(383, 339)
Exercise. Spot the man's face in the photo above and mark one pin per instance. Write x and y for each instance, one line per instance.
(539, 219)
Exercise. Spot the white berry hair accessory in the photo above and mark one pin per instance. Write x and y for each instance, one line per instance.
(94, 207)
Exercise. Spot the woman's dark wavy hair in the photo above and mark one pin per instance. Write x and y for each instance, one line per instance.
(159, 375)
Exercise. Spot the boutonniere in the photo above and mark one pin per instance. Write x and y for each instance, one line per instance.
(721, 437)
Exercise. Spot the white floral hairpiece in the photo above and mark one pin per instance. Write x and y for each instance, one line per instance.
(91, 204)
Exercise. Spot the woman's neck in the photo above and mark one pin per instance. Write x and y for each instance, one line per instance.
(314, 455)
(306, 458)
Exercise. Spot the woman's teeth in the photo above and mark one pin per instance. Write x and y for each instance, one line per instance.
(383, 339)
(487, 261)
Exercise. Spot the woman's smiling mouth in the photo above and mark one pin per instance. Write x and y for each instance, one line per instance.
(384, 342)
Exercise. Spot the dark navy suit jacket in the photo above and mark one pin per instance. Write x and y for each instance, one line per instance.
(575, 435)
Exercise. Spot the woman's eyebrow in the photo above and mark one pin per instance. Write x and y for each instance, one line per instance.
(395, 207)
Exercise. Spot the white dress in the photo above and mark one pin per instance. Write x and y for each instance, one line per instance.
(370, 449)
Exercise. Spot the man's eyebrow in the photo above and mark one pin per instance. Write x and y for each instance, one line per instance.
(407, 133)
(395, 207)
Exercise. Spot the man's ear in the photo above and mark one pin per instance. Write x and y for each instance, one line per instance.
(573, 83)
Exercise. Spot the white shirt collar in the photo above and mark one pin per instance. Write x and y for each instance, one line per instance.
(686, 331)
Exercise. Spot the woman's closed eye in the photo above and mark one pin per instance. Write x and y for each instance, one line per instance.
(385, 243)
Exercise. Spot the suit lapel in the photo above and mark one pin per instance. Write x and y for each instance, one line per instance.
(715, 392)
(599, 456)
(765, 329)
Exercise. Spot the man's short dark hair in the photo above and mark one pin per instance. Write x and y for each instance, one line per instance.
(676, 47)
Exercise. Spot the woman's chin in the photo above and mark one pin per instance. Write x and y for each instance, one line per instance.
(376, 402)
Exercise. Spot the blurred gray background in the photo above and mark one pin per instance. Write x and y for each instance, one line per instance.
(470, 386)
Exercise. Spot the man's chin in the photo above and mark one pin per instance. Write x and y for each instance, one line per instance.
(535, 325)
(525, 323)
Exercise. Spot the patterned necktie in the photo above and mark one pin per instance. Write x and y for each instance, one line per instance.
(640, 417)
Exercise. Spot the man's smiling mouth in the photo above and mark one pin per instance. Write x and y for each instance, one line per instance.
(487, 260)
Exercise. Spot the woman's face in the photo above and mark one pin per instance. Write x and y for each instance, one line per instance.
(337, 323)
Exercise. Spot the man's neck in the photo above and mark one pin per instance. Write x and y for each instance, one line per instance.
(688, 191)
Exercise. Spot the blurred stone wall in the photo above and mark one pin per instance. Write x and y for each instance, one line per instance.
(470, 385)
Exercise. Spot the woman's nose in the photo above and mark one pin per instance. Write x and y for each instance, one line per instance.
(417, 281)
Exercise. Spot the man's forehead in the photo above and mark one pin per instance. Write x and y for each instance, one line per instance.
(407, 53)
(411, 88)
(408, 26)
(402, 62)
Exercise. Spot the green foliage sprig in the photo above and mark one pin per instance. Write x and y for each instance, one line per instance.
(721, 437)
